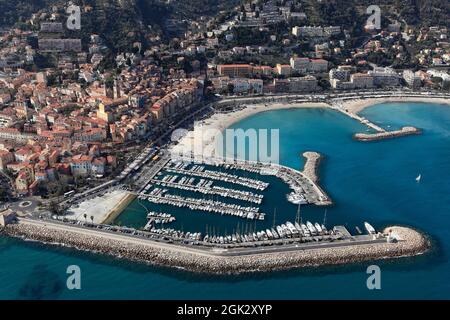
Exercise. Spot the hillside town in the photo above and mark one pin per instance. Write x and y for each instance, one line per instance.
(65, 118)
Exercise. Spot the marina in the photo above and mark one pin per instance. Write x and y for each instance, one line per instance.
(223, 188)
(160, 196)
(206, 187)
(157, 218)
(199, 171)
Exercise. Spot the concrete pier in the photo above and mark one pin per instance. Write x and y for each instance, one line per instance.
(405, 131)
(359, 118)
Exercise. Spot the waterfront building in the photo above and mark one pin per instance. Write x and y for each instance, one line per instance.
(303, 84)
(362, 81)
(384, 77)
(412, 79)
(81, 165)
(339, 74)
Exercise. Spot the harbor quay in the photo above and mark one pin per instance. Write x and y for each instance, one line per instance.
(392, 242)
(405, 131)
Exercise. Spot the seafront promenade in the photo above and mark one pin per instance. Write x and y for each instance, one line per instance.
(405, 242)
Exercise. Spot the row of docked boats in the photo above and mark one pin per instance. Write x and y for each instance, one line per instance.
(174, 234)
(205, 187)
(160, 196)
(220, 176)
(160, 218)
(307, 232)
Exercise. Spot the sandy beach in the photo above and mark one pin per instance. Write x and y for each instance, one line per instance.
(218, 122)
(358, 105)
(221, 121)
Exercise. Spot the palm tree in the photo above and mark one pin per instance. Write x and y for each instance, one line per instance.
(85, 216)
(92, 219)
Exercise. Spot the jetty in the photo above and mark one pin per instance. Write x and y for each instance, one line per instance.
(311, 166)
(405, 131)
(392, 242)
(338, 106)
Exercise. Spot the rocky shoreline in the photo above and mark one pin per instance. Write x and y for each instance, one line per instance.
(410, 243)
(405, 131)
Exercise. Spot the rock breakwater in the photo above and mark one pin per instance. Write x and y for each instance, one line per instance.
(410, 243)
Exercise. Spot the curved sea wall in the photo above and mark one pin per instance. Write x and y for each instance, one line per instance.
(410, 243)
(405, 131)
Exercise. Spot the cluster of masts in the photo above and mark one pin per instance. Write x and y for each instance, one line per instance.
(206, 187)
(287, 230)
(159, 196)
(199, 171)
(177, 234)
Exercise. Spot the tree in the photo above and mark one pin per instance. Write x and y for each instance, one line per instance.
(85, 216)
(54, 208)
(92, 219)
(3, 194)
(230, 88)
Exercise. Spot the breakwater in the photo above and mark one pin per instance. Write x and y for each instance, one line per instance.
(311, 166)
(410, 243)
(405, 131)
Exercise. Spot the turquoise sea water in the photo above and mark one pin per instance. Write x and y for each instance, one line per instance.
(368, 181)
